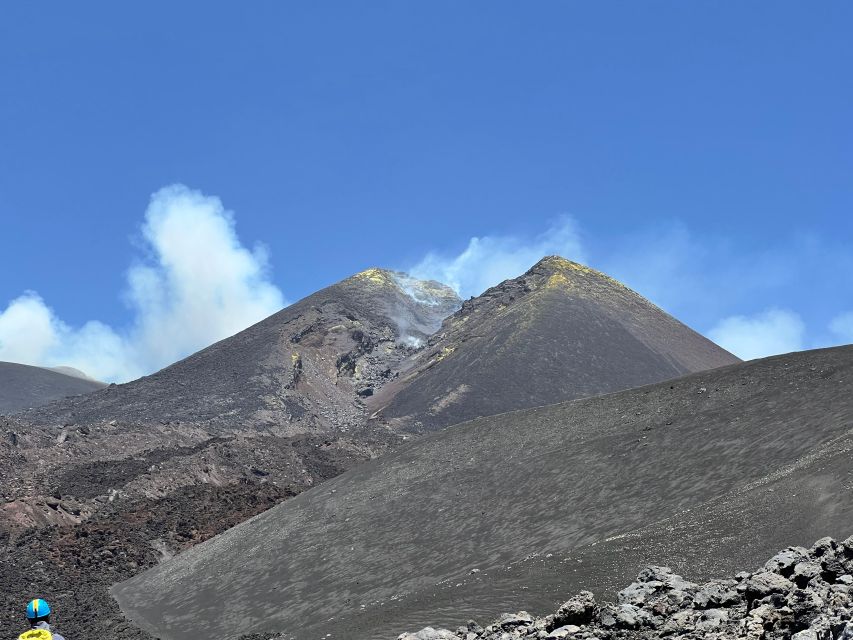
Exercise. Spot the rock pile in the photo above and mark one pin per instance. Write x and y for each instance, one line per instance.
(799, 594)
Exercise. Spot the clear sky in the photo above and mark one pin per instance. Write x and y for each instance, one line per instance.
(702, 152)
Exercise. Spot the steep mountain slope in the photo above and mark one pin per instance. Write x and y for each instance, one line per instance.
(709, 472)
(23, 386)
(560, 331)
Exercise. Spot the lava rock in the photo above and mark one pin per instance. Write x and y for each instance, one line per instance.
(577, 610)
(762, 584)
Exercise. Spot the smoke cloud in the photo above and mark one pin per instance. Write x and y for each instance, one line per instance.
(764, 334)
(489, 260)
(196, 284)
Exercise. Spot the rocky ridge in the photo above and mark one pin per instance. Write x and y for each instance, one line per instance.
(799, 594)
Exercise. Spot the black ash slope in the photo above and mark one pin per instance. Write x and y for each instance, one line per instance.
(24, 387)
(707, 473)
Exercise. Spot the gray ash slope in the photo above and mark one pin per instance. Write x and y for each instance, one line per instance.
(560, 331)
(23, 387)
(708, 473)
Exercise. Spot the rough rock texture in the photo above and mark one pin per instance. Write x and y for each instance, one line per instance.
(764, 605)
(23, 386)
(705, 474)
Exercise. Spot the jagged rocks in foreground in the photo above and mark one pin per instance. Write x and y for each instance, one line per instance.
(803, 594)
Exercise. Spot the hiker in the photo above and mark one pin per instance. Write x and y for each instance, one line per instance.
(38, 613)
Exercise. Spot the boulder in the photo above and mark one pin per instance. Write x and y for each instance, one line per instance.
(799, 595)
(716, 594)
(712, 619)
(831, 568)
(628, 616)
(511, 620)
(805, 572)
(473, 627)
(578, 610)
(679, 623)
(784, 562)
(824, 546)
(762, 584)
(637, 593)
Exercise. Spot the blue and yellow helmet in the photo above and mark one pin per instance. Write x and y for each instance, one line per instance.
(37, 608)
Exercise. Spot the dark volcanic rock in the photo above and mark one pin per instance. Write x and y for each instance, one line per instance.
(23, 387)
(578, 610)
(545, 502)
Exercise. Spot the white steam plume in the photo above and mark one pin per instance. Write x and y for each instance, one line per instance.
(489, 260)
(764, 334)
(199, 285)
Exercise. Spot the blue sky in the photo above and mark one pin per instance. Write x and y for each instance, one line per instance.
(700, 151)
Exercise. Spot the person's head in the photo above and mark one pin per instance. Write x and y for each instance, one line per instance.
(38, 611)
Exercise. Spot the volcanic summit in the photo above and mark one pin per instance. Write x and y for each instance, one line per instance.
(558, 332)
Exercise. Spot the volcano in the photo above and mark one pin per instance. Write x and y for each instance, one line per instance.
(155, 466)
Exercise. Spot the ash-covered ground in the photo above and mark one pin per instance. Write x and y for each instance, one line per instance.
(707, 474)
